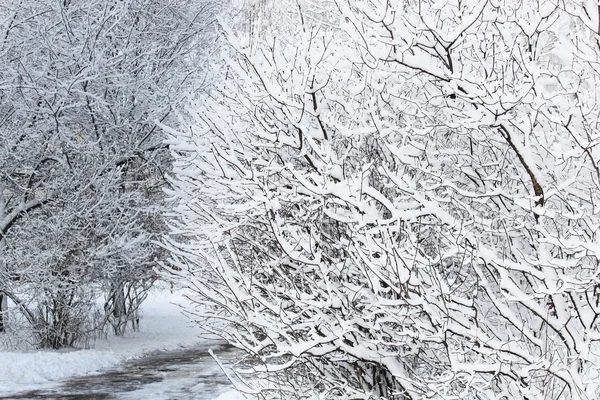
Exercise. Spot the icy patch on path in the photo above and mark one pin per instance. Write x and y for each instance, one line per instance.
(162, 327)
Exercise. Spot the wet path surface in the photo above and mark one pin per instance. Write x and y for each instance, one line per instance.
(189, 373)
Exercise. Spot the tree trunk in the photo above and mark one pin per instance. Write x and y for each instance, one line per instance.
(3, 308)
(116, 309)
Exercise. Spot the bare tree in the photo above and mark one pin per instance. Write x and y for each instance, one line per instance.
(402, 206)
(81, 160)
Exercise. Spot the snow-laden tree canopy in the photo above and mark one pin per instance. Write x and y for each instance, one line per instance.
(81, 158)
(403, 204)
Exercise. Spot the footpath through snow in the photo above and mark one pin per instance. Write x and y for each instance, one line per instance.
(162, 327)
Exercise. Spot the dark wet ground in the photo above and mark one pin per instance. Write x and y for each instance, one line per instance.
(189, 373)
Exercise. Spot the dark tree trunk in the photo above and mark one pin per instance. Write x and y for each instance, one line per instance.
(116, 308)
(2, 311)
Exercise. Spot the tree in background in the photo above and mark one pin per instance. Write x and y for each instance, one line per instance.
(402, 205)
(81, 161)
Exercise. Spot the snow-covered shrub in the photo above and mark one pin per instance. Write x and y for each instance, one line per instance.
(403, 206)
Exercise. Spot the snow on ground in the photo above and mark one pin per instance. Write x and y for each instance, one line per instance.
(162, 327)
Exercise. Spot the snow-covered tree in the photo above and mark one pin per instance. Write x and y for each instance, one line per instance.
(81, 160)
(403, 205)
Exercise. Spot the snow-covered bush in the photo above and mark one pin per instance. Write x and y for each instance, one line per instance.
(403, 206)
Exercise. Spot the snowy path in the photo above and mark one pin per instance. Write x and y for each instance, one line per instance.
(188, 373)
(165, 360)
